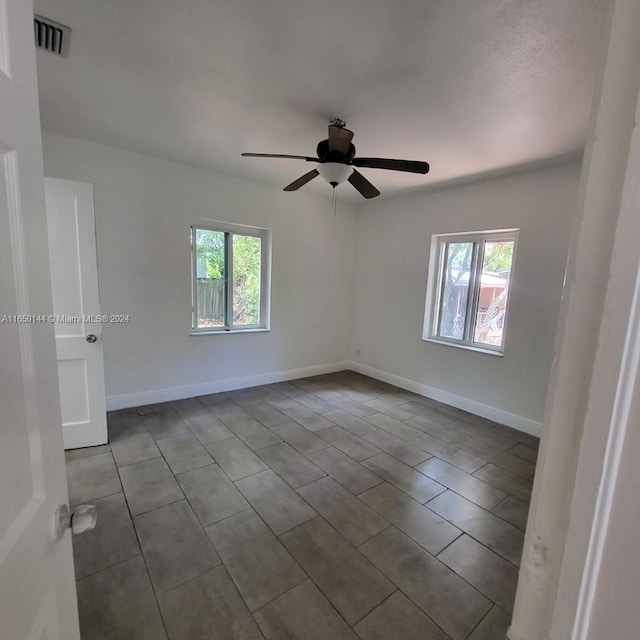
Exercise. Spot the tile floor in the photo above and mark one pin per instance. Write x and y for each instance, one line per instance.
(326, 508)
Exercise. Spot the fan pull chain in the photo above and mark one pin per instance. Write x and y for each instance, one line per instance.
(335, 201)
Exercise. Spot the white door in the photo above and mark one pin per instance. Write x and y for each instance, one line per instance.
(76, 307)
(37, 589)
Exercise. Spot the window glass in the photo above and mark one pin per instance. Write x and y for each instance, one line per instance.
(210, 278)
(468, 292)
(493, 292)
(247, 253)
(458, 257)
(230, 286)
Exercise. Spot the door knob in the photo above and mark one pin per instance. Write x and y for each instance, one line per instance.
(91, 338)
(83, 518)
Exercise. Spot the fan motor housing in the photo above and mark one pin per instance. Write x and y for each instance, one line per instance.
(334, 156)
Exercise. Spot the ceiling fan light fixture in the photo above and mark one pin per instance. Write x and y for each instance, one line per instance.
(336, 163)
(334, 173)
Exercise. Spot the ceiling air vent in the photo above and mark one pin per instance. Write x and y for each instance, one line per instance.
(51, 36)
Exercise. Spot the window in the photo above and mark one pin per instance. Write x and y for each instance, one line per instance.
(230, 272)
(468, 291)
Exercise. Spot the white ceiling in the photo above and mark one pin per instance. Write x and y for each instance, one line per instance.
(469, 86)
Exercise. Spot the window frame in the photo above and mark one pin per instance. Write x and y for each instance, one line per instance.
(435, 288)
(231, 229)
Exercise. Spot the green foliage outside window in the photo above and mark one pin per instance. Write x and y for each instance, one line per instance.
(210, 247)
(246, 271)
(498, 256)
(246, 279)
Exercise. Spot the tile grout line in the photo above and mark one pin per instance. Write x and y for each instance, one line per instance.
(435, 557)
(144, 559)
(396, 590)
(253, 613)
(462, 533)
(355, 549)
(222, 563)
(250, 508)
(280, 543)
(471, 536)
(484, 618)
(360, 461)
(111, 566)
(320, 413)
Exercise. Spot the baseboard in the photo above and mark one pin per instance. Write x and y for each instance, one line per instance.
(512, 634)
(230, 384)
(177, 393)
(492, 413)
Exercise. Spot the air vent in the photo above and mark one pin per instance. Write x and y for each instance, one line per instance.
(51, 36)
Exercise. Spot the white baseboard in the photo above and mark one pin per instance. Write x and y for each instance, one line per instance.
(491, 413)
(230, 384)
(512, 634)
(217, 386)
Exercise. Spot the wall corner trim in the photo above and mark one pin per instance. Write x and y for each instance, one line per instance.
(217, 386)
(491, 413)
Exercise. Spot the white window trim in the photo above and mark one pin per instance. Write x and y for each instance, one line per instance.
(265, 276)
(434, 289)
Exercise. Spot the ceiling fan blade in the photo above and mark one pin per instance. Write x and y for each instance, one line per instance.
(339, 139)
(279, 155)
(363, 185)
(300, 182)
(411, 166)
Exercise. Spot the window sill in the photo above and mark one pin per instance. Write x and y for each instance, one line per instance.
(467, 347)
(214, 332)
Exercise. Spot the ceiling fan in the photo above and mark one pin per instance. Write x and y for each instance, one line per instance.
(336, 162)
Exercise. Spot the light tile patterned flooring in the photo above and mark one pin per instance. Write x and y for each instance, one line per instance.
(325, 508)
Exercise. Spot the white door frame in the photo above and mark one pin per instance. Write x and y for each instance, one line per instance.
(593, 378)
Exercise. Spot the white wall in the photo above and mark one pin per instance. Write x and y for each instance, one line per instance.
(350, 287)
(394, 239)
(144, 207)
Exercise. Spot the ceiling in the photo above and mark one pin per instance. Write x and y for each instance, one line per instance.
(469, 86)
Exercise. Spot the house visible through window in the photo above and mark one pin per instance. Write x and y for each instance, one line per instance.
(468, 292)
(230, 267)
